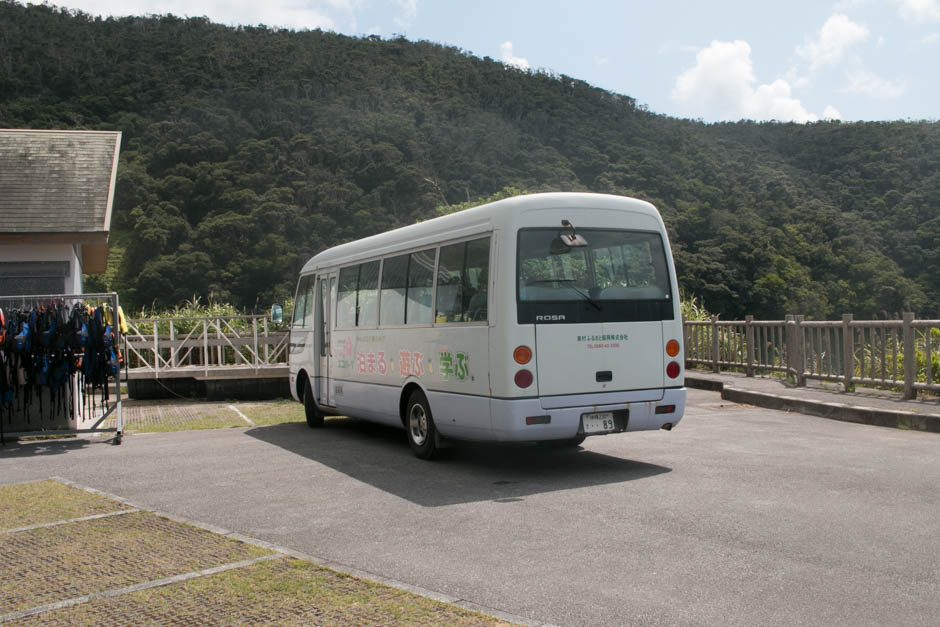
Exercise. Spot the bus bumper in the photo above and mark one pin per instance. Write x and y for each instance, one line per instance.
(526, 420)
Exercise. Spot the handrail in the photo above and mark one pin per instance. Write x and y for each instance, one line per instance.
(213, 342)
(901, 354)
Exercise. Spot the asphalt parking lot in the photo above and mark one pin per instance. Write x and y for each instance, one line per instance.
(738, 516)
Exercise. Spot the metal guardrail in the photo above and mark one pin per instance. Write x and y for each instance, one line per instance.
(901, 354)
(169, 347)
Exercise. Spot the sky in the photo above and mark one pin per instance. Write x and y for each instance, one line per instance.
(718, 60)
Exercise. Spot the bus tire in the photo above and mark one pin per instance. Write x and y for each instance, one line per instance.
(314, 415)
(419, 425)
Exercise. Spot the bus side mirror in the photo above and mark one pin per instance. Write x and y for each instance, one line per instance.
(277, 314)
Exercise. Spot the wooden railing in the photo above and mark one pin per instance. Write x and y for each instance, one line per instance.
(902, 354)
(156, 346)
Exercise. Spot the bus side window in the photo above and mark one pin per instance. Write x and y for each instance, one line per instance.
(462, 281)
(308, 303)
(420, 286)
(299, 317)
(394, 281)
(450, 283)
(368, 296)
(477, 279)
(346, 297)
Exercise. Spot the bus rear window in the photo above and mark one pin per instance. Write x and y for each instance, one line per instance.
(613, 266)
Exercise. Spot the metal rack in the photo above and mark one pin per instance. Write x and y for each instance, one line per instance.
(78, 397)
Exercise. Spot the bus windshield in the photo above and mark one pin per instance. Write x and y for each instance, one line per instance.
(615, 265)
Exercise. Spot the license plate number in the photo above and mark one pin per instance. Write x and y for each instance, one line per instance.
(598, 423)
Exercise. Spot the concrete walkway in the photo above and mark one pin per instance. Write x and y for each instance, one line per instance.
(865, 405)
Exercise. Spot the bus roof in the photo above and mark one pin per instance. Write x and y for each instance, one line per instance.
(476, 220)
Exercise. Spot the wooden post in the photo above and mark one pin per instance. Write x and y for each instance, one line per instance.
(848, 352)
(172, 348)
(205, 347)
(800, 351)
(254, 331)
(267, 357)
(218, 346)
(715, 346)
(749, 344)
(156, 351)
(790, 345)
(910, 357)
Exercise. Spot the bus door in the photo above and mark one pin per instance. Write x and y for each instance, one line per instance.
(326, 287)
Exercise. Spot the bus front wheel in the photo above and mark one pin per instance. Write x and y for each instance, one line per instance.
(314, 415)
(422, 434)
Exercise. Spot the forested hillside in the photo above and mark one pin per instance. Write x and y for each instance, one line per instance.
(247, 150)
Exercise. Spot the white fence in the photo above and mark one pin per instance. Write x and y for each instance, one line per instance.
(168, 347)
(901, 354)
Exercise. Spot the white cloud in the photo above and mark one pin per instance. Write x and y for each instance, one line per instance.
(774, 102)
(930, 39)
(864, 82)
(796, 79)
(835, 36)
(509, 58)
(919, 10)
(831, 113)
(845, 5)
(721, 85)
(409, 10)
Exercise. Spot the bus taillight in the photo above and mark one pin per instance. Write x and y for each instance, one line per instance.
(522, 355)
(672, 348)
(672, 370)
(524, 378)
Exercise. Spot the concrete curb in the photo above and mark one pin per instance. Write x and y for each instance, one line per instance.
(833, 411)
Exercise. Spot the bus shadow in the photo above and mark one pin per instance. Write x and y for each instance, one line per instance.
(466, 473)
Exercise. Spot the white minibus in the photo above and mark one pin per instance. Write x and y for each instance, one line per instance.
(543, 317)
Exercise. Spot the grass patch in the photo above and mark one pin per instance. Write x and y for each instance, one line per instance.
(40, 502)
(286, 591)
(192, 424)
(52, 564)
(273, 412)
(162, 417)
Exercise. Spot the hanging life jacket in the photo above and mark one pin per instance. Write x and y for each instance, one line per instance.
(21, 341)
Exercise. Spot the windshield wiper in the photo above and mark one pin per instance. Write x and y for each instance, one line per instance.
(587, 297)
(567, 283)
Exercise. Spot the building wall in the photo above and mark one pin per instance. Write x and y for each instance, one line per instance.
(22, 270)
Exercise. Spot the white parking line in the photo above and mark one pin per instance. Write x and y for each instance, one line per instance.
(135, 588)
(244, 417)
(67, 521)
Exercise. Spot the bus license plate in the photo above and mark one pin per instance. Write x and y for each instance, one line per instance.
(598, 423)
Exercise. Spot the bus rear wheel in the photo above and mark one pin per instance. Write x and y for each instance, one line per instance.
(314, 415)
(422, 434)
